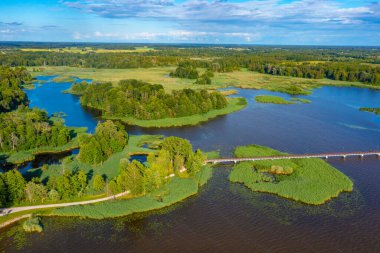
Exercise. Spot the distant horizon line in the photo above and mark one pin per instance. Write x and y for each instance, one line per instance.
(186, 43)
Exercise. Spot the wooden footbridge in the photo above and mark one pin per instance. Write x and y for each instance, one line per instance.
(323, 155)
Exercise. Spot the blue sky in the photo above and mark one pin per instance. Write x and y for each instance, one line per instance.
(292, 22)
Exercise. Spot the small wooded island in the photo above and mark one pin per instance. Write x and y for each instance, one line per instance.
(143, 104)
(310, 181)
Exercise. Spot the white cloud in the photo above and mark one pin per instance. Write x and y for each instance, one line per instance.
(264, 11)
(172, 35)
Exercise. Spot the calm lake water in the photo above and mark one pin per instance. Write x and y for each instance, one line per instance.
(227, 217)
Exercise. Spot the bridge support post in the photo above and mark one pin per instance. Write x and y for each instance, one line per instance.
(344, 157)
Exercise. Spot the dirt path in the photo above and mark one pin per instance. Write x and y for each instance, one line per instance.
(6, 211)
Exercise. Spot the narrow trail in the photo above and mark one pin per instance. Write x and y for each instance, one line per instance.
(6, 211)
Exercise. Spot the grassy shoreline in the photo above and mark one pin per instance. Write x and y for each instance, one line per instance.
(371, 110)
(234, 104)
(177, 190)
(310, 181)
(270, 99)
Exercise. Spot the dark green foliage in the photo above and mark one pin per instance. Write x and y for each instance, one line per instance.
(205, 78)
(108, 139)
(149, 101)
(11, 94)
(346, 71)
(79, 88)
(3, 191)
(15, 185)
(30, 128)
(348, 64)
(185, 70)
(131, 177)
(68, 185)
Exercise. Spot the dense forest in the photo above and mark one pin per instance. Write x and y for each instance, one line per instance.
(11, 94)
(108, 139)
(22, 128)
(146, 101)
(346, 64)
(26, 128)
(175, 156)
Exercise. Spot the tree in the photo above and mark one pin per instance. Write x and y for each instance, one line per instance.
(177, 147)
(3, 192)
(131, 177)
(113, 188)
(98, 184)
(53, 195)
(108, 139)
(15, 184)
(35, 192)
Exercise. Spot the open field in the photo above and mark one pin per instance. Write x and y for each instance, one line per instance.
(234, 104)
(311, 181)
(86, 50)
(254, 80)
(160, 75)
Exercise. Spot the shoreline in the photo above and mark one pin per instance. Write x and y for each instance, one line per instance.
(234, 105)
(196, 182)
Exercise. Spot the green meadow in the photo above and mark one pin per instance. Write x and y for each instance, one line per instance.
(310, 181)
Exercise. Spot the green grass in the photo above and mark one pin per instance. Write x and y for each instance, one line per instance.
(256, 150)
(175, 191)
(29, 155)
(269, 99)
(213, 154)
(63, 79)
(234, 104)
(312, 181)
(301, 100)
(373, 110)
(86, 50)
(253, 80)
(159, 75)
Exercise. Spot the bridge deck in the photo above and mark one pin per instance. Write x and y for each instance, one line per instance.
(304, 156)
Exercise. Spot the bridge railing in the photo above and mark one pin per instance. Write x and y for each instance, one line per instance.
(303, 156)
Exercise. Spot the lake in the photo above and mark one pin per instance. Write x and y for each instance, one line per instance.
(227, 217)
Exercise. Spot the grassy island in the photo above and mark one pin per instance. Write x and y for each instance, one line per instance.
(373, 110)
(310, 181)
(270, 99)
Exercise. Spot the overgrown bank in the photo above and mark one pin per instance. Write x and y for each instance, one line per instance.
(175, 191)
